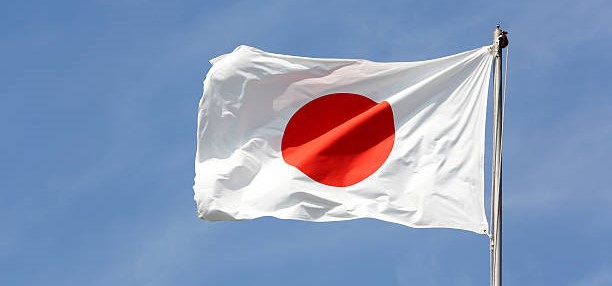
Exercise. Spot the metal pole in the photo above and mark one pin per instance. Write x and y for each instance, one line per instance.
(499, 42)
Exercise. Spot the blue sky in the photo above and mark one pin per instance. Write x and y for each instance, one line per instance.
(98, 105)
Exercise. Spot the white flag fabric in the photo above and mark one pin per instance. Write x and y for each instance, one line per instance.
(337, 139)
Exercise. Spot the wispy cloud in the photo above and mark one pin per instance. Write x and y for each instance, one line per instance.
(599, 277)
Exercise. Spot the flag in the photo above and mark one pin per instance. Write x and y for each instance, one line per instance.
(336, 139)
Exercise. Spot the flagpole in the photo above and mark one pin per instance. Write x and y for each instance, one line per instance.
(499, 42)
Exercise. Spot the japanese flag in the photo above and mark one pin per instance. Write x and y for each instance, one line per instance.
(337, 139)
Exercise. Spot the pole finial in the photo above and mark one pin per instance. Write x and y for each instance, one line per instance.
(499, 37)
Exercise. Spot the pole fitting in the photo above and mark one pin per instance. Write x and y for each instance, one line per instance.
(499, 37)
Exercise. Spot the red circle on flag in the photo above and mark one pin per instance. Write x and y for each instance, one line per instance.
(339, 139)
